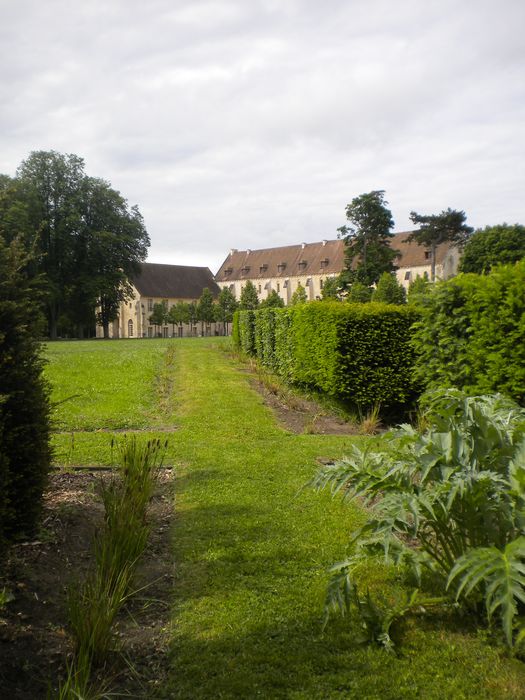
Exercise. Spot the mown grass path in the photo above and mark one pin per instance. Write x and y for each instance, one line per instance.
(250, 552)
(251, 556)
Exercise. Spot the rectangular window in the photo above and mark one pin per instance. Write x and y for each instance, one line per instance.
(259, 288)
(321, 282)
(408, 274)
(150, 304)
(278, 287)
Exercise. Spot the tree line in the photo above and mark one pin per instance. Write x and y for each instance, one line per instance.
(370, 257)
(83, 238)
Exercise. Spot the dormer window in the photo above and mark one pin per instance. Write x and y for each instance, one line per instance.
(302, 264)
(281, 267)
(324, 263)
(245, 269)
(427, 254)
(228, 271)
(263, 268)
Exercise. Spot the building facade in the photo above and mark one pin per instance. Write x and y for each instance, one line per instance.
(283, 269)
(157, 283)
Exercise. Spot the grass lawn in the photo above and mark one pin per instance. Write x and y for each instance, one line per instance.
(250, 549)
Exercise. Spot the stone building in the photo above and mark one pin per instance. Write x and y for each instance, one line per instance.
(157, 283)
(310, 264)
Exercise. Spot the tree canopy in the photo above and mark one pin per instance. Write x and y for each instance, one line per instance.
(249, 299)
(299, 296)
(367, 237)
(388, 290)
(272, 301)
(86, 239)
(434, 229)
(494, 245)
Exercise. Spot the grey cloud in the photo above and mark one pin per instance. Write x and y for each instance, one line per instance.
(236, 124)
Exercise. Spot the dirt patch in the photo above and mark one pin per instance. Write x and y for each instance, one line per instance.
(300, 415)
(34, 641)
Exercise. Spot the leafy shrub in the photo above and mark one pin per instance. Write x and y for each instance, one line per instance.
(264, 337)
(25, 453)
(450, 500)
(472, 334)
(359, 293)
(358, 352)
(388, 290)
(244, 321)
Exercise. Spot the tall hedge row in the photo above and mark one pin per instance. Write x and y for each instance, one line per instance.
(358, 352)
(472, 333)
(25, 453)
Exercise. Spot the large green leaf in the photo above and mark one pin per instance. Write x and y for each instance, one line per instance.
(500, 574)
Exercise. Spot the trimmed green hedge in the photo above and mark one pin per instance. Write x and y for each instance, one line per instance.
(472, 333)
(358, 352)
(25, 454)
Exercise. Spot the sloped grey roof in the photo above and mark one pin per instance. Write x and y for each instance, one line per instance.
(173, 281)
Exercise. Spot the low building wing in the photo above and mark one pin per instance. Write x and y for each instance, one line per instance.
(173, 281)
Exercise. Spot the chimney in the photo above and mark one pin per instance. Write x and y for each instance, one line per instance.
(233, 250)
(248, 251)
(325, 241)
(303, 245)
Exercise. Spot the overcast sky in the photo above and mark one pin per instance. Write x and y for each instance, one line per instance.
(252, 123)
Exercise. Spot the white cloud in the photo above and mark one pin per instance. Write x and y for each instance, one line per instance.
(237, 124)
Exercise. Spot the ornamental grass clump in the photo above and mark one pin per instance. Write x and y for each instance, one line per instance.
(449, 500)
(93, 604)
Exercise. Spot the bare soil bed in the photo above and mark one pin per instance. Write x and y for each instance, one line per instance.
(34, 641)
(300, 415)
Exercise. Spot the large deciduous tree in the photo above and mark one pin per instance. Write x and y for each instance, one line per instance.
(54, 186)
(494, 245)
(87, 240)
(112, 244)
(435, 229)
(367, 237)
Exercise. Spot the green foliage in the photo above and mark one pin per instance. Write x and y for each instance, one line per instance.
(249, 299)
(226, 307)
(331, 289)
(435, 229)
(88, 240)
(359, 293)
(246, 330)
(418, 289)
(25, 453)
(299, 296)
(388, 290)
(178, 314)
(491, 246)
(471, 334)
(272, 301)
(160, 314)
(94, 603)
(367, 238)
(356, 352)
(206, 307)
(457, 489)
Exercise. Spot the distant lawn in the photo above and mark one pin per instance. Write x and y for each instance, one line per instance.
(251, 550)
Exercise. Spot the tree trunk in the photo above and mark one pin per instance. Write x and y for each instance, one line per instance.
(433, 262)
(105, 328)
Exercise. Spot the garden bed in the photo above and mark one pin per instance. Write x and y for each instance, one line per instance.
(34, 641)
